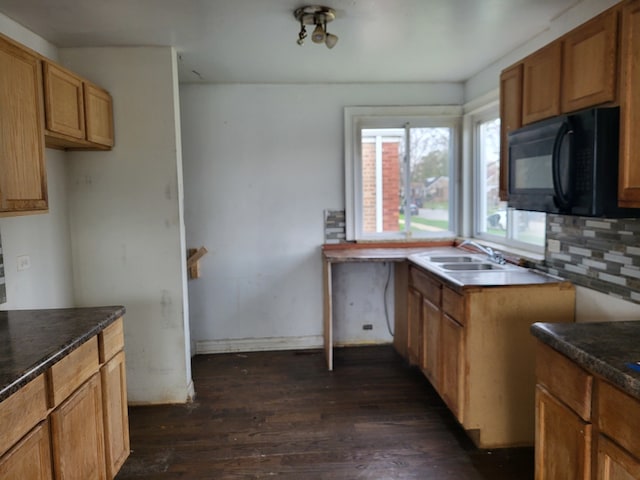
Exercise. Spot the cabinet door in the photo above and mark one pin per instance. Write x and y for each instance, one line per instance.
(23, 186)
(77, 435)
(116, 418)
(510, 119)
(64, 102)
(563, 441)
(452, 355)
(30, 458)
(431, 342)
(589, 63)
(614, 463)
(415, 326)
(629, 176)
(541, 84)
(99, 113)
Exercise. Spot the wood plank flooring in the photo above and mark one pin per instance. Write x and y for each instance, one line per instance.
(282, 414)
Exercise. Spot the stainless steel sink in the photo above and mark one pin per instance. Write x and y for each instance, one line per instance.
(452, 259)
(470, 266)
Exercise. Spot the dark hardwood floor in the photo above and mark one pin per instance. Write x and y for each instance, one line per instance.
(282, 414)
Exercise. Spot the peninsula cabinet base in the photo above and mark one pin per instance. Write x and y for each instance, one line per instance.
(586, 428)
(71, 422)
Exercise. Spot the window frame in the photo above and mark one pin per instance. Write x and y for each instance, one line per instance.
(358, 118)
(482, 115)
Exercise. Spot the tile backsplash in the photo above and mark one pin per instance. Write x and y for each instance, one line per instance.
(601, 254)
(334, 226)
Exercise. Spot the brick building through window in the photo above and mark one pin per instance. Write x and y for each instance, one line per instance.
(381, 182)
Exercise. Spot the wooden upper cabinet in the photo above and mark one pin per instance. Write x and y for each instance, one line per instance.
(510, 119)
(78, 113)
(99, 115)
(589, 63)
(541, 84)
(64, 108)
(629, 171)
(23, 183)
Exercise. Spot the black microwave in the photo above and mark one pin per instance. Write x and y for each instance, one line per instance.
(568, 165)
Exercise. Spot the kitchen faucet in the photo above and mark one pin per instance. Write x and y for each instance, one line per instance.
(494, 255)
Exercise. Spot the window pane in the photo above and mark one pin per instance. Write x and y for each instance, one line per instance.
(385, 206)
(430, 160)
(381, 179)
(493, 216)
(493, 212)
(529, 227)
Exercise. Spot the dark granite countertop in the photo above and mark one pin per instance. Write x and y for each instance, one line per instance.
(603, 348)
(33, 340)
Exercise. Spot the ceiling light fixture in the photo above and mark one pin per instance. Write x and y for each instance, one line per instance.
(318, 16)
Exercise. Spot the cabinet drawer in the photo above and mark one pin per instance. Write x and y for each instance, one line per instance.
(429, 288)
(619, 417)
(111, 340)
(453, 304)
(22, 411)
(73, 370)
(565, 380)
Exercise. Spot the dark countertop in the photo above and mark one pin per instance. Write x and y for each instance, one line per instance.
(603, 348)
(33, 340)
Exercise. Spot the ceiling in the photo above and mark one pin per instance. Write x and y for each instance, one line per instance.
(254, 41)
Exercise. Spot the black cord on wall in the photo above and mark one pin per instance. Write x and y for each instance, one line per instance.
(386, 307)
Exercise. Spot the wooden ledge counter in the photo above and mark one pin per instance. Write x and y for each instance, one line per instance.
(396, 252)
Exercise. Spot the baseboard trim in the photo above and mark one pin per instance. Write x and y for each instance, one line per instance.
(258, 344)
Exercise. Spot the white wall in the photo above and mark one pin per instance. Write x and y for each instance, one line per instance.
(261, 163)
(44, 237)
(126, 217)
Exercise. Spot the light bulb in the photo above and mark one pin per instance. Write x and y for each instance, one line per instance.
(318, 35)
(331, 40)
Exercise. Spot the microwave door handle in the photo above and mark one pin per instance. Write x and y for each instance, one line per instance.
(561, 198)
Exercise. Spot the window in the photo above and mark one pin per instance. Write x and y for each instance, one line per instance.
(400, 165)
(493, 219)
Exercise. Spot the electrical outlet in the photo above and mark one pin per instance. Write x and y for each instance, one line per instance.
(367, 326)
(24, 262)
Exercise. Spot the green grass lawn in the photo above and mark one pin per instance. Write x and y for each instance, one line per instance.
(439, 224)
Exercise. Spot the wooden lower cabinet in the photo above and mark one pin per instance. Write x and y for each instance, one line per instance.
(563, 443)
(414, 347)
(614, 463)
(586, 428)
(77, 435)
(29, 459)
(452, 359)
(476, 350)
(431, 319)
(115, 415)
